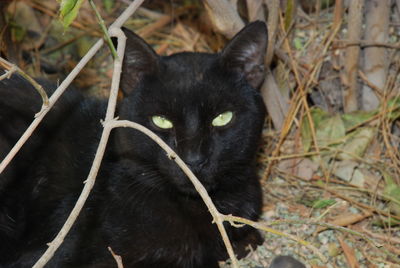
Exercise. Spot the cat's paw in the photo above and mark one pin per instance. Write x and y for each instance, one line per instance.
(286, 262)
(252, 239)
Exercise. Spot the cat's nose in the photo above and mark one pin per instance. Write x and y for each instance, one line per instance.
(195, 162)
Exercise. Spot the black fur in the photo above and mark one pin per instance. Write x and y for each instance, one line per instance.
(142, 205)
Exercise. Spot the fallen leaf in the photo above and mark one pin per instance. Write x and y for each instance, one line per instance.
(356, 143)
(349, 253)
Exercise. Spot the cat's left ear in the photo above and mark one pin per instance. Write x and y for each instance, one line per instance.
(245, 53)
(139, 60)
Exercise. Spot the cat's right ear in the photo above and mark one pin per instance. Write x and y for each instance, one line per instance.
(139, 59)
(244, 54)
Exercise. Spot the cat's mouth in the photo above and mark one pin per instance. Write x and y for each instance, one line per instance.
(185, 185)
(189, 189)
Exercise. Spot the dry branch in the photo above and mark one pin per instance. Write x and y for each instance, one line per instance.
(89, 183)
(108, 126)
(352, 56)
(13, 68)
(227, 21)
(277, 104)
(224, 17)
(117, 258)
(52, 100)
(217, 216)
(375, 58)
(114, 30)
(273, 22)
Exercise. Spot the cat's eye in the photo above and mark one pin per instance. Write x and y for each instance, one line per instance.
(161, 122)
(222, 119)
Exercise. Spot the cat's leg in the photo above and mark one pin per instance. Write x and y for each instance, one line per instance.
(245, 239)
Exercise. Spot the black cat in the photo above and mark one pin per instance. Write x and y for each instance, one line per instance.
(205, 106)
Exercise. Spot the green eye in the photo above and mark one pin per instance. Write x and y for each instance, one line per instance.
(222, 119)
(161, 122)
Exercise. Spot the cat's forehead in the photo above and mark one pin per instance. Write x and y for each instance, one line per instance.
(189, 82)
(192, 79)
(186, 68)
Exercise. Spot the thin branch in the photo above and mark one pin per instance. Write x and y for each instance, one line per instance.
(117, 258)
(341, 229)
(273, 22)
(109, 124)
(52, 100)
(352, 56)
(8, 73)
(375, 62)
(262, 226)
(342, 44)
(12, 68)
(89, 183)
(217, 216)
(104, 29)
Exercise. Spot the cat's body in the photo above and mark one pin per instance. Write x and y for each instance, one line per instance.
(142, 205)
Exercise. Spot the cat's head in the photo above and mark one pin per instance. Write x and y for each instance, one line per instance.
(207, 107)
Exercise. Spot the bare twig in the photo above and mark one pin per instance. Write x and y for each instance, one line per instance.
(117, 258)
(217, 216)
(375, 58)
(60, 90)
(277, 103)
(89, 183)
(352, 56)
(264, 227)
(338, 228)
(104, 29)
(342, 44)
(12, 68)
(273, 22)
(8, 73)
(109, 124)
(52, 100)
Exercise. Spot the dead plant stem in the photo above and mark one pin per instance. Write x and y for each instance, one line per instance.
(52, 100)
(218, 218)
(89, 183)
(9, 66)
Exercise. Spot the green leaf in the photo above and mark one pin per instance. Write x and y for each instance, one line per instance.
(330, 131)
(317, 115)
(108, 5)
(323, 203)
(392, 191)
(383, 222)
(298, 43)
(18, 32)
(393, 105)
(354, 119)
(69, 10)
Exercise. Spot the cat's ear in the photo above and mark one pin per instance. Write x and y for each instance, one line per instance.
(245, 52)
(139, 59)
